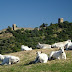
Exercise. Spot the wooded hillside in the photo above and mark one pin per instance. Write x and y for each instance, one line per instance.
(11, 41)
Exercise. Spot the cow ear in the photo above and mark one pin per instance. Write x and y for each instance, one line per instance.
(41, 52)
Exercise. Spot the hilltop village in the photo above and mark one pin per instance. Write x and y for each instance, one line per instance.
(14, 26)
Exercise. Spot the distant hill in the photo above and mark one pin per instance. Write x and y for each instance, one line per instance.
(11, 40)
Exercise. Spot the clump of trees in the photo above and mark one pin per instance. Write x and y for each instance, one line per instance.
(47, 34)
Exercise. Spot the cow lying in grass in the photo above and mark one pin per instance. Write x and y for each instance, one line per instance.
(69, 46)
(60, 44)
(25, 48)
(41, 57)
(58, 54)
(7, 59)
(43, 46)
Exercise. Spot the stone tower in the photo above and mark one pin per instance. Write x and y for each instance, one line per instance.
(14, 27)
(60, 20)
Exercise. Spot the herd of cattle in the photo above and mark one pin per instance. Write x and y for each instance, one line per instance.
(41, 57)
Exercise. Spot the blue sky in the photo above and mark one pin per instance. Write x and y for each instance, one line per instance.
(32, 13)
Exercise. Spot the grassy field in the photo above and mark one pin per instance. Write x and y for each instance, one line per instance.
(28, 56)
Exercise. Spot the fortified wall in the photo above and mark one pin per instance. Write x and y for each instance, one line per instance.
(14, 27)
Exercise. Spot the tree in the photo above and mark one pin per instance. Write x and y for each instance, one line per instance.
(9, 29)
(43, 25)
(22, 29)
(66, 22)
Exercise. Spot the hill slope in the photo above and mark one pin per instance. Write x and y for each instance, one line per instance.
(29, 56)
(11, 41)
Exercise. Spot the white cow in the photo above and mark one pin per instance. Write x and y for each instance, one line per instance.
(58, 54)
(41, 57)
(25, 48)
(60, 44)
(69, 46)
(8, 59)
(43, 46)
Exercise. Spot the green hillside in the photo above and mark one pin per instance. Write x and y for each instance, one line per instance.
(11, 41)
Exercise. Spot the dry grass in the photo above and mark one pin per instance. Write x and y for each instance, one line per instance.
(31, 55)
(5, 35)
(28, 56)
